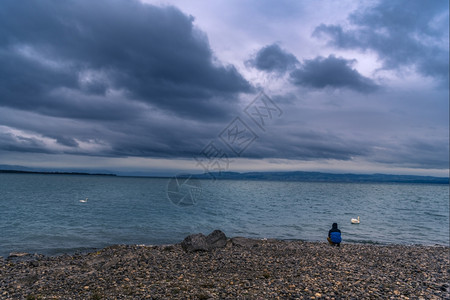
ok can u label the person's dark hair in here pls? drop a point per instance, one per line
(334, 225)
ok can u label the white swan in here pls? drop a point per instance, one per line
(84, 201)
(355, 221)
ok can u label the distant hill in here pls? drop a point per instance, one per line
(273, 176)
(324, 177)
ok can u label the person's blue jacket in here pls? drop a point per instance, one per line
(335, 234)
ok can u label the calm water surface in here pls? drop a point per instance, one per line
(42, 213)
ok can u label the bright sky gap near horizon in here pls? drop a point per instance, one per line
(141, 87)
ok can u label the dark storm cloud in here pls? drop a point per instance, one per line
(304, 144)
(17, 143)
(122, 79)
(415, 153)
(311, 145)
(66, 141)
(316, 73)
(69, 58)
(331, 72)
(402, 33)
(157, 136)
(272, 58)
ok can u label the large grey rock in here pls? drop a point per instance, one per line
(195, 242)
(216, 239)
(200, 242)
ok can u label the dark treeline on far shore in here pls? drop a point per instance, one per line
(54, 173)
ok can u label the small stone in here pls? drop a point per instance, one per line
(86, 287)
(318, 294)
(34, 264)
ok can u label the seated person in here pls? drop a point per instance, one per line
(334, 235)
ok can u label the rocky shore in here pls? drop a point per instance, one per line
(236, 268)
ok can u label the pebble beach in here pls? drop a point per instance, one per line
(242, 269)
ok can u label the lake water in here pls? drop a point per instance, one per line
(43, 214)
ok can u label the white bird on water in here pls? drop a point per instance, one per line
(84, 201)
(355, 221)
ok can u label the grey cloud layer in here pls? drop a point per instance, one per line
(316, 73)
(70, 58)
(272, 58)
(331, 72)
(120, 78)
(402, 33)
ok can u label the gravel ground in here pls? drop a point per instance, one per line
(244, 269)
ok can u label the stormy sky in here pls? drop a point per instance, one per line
(192, 86)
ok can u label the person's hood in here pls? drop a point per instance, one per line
(334, 226)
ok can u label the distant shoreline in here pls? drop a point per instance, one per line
(294, 176)
(301, 176)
